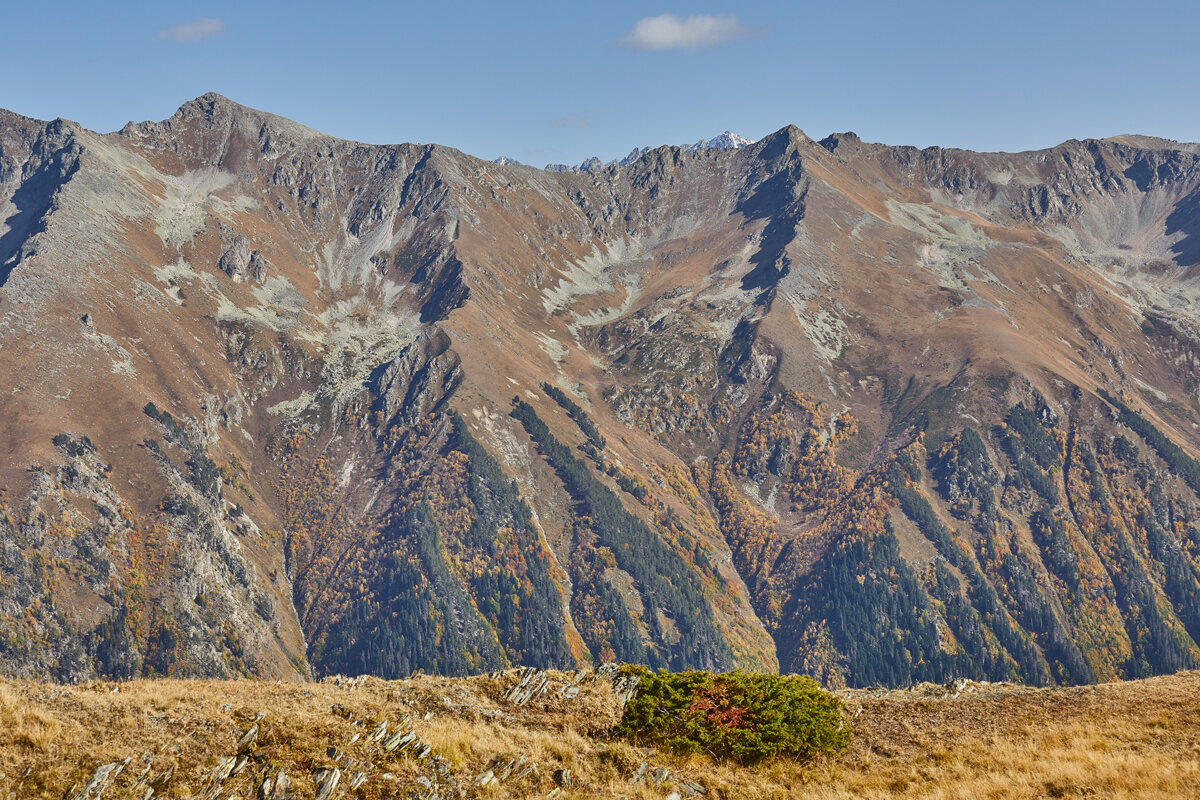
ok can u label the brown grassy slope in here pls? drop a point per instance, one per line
(1114, 740)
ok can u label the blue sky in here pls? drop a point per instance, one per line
(554, 81)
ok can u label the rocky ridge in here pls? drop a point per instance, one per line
(726, 141)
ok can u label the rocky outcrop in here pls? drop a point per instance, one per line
(236, 259)
(416, 382)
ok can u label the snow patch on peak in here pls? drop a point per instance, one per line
(726, 141)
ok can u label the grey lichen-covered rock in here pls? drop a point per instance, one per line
(162, 780)
(258, 266)
(399, 741)
(625, 687)
(235, 261)
(415, 382)
(327, 783)
(533, 683)
(346, 682)
(222, 771)
(101, 778)
(248, 739)
(659, 776)
(277, 787)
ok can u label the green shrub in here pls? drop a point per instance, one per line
(744, 716)
(74, 446)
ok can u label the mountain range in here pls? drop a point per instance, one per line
(281, 404)
(726, 141)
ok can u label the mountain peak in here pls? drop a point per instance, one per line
(219, 111)
(209, 104)
(791, 133)
(726, 141)
(215, 98)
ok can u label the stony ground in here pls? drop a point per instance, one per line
(534, 734)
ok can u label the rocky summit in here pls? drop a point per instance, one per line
(284, 405)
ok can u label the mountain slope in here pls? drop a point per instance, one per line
(282, 402)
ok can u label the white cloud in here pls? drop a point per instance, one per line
(667, 32)
(193, 31)
(572, 121)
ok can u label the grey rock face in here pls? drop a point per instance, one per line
(235, 261)
(258, 266)
(417, 380)
(328, 784)
(101, 778)
(278, 788)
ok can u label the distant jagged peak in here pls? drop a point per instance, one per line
(594, 163)
(588, 165)
(726, 141)
(633, 156)
(505, 161)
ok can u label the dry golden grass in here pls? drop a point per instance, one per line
(24, 724)
(1138, 739)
